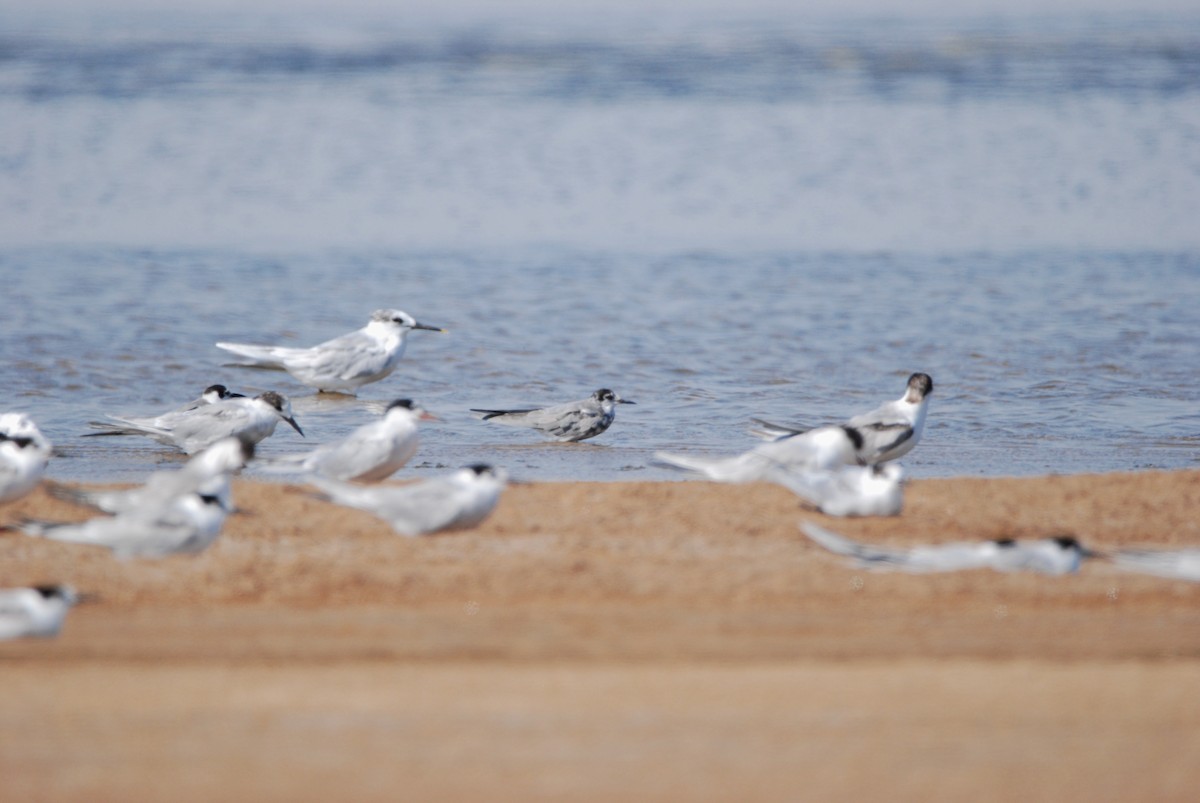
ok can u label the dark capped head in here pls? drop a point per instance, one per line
(606, 395)
(919, 386)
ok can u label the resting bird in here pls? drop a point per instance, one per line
(24, 453)
(1059, 555)
(344, 364)
(456, 501)
(36, 612)
(209, 472)
(820, 449)
(195, 429)
(371, 453)
(889, 432)
(572, 421)
(188, 524)
(849, 490)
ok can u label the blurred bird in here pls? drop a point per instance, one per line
(848, 490)
(1059, 555)
(190, 523)
(820, 449)
(24, 453)
(371, 453)
(37, 611)
(456, 501)
(208, 472)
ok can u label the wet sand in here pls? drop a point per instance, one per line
(627, 640)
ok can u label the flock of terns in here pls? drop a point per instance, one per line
(846, 469)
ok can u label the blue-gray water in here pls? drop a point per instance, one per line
(719, 221)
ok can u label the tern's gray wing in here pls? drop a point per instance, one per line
(367, 455)
(351, 356)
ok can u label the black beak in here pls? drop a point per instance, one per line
(295, 426)
(428, 327)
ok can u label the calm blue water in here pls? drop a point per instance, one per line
(752, 218)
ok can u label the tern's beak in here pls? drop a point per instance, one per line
(85, 597)
(295, 426)
(428, 416)
(625, 401)
(428, 327)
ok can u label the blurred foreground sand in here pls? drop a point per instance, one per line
(602, 641)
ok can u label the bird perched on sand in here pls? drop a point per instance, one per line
(345, 363)
(24, 453)
(456, 501)
(37, 611)
(848, 490)
(572, 421)
(820, 449)
(188, 524)
(889, 432)
(195, 429)
(371, 453)
(1058, 555)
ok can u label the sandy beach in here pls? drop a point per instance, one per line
(615, 641)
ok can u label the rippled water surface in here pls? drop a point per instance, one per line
(717, 221)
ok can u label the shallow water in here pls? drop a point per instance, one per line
(719, 222)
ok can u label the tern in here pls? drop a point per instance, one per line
(208, 472)
(36, 612)
(457, 501)
(889, 432)
(249, 419)
(24, 453)
(345, 363)
(188, 524)
(371, 453)
(1059, 555)
(572, 421)
(820, 449)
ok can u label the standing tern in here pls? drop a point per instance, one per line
(572, 421)
(36, 612)
(1059, 555)
(889, 432)
(456, 501)
(24, 453)
(249, 419)
(371, 453)
(820, 449)
(188, 524)
(345, 363)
